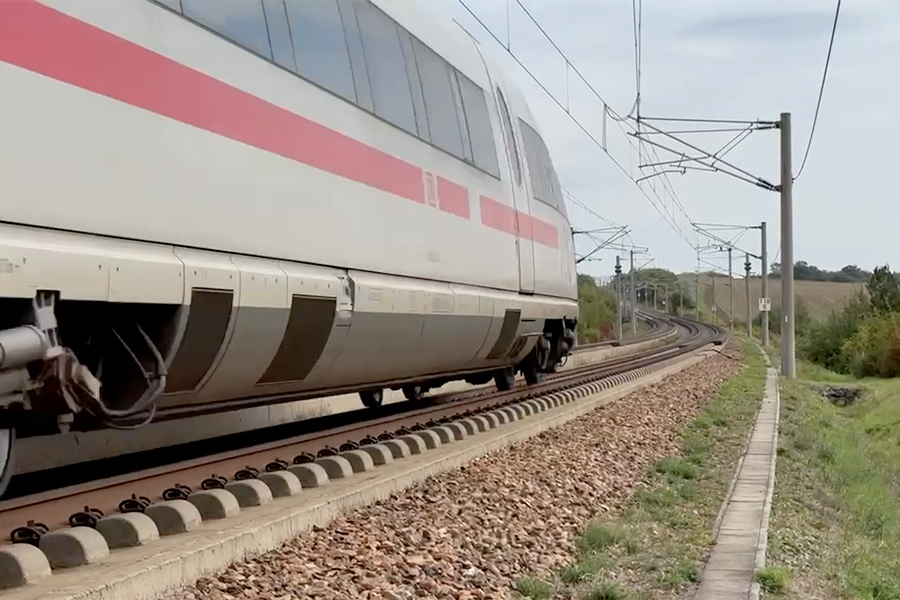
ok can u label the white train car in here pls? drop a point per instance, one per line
(214, 204)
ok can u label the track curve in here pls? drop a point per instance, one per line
(57, 508)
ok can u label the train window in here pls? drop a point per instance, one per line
(544, 181)
(279, 34)
(461, 115)
(510, 138)
(319, 45)
(483, 147)
(241, 22)
(443, 120)
(415, 84)
(357, 56)
(532, 155)
(387, 69)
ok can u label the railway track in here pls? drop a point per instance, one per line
(657, 329)
(337, 452)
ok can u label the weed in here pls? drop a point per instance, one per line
(682, 573)
(583, 570)
(825, 452)
(607, 591)
(599, 537)
(574, 574)
(772, 580)
(677, 467)
(653, 500)
(688, 490)
(631, 546)
(704, 422)
(534, 588)
(696, 449)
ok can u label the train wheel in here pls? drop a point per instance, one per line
(414, 393)
(534, 367)
(532, 372)
(372, 398)
(505, 379)
(7, 444)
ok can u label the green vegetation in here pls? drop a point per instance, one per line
(655, 545)
(804, 271)
(536, 589)
(596, 311)
(663, 289)
(836, 517)
(773, 580)
(863, 338)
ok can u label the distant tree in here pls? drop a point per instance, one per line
(803, 271)
(854, 273)
(596, 310)
(655, 275)
(884, 290)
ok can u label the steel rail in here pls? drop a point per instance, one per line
(52, 508)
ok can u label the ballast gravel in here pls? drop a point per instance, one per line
(470, 533)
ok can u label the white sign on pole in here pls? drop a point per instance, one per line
(765, 304)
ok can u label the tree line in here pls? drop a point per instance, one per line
(803, 271)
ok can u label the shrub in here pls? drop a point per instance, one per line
(596, 311)
(773, 580)
(823, 342)
(874, 350)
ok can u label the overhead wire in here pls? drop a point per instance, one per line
(812, 130)
(619, 120)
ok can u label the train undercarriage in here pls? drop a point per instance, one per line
(108, 367)
(548, 354)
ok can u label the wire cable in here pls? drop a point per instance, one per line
(655, 203)
(812, 130)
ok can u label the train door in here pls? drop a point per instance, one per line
(524, 244)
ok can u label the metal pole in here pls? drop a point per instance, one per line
(655, 296)
(747, 288)
(633, 297)
(618, 299)
(730, 292)
(697, 290)
(764, 315)
(788, 341)
(666, 298)
(681, 298)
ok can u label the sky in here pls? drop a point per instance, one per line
(716, 59)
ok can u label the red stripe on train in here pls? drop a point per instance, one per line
(46, 41)
(497, 215)
(40, 39)
(453, 198)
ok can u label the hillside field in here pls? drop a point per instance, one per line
(819, 297)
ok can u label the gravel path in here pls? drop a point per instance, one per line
(472, 532)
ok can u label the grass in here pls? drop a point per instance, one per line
(819, 297)
(836, 517)
(772, 580)
(536, 589)
(655, 545)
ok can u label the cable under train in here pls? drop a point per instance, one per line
(207, 205)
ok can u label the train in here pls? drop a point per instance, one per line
(212, 205)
